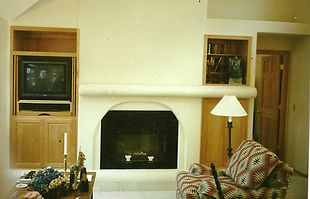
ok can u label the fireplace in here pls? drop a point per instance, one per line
(139, 140)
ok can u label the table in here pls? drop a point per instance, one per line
(73, 195)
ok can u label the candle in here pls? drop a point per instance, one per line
(65, 144)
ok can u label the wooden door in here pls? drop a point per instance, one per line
(214, 134)
(54, 141)
(27, 146)
(269, 103)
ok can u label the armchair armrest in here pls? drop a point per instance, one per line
(279, 177)
(200, 169)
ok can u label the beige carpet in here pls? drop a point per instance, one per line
(298, 189)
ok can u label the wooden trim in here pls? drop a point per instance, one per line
(249, 58)
(205, 49)
(43, 29)
(301, 174)
(229, 37)
(282, 52)
(77, 72)
(284, 92)
(73, 86)
(37, 53)
(45, 101)
(49, 113)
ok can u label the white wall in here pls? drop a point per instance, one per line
(263, 10)
(142, 42)
(45, 13)
(297, 147)
(7, 175)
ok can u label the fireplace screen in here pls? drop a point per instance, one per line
(139, 140)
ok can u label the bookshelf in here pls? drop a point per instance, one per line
(226, 60)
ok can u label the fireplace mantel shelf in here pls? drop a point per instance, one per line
(139, 90)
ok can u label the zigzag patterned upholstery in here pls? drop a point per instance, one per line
(200, 184)
(188, 184)
(251, 164)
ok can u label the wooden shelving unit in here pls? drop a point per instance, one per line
(219, 55)
(37, 134)
(44, 40)
(214, 133)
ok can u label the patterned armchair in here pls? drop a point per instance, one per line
(253, 172)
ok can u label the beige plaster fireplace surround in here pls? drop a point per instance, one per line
(184, 101)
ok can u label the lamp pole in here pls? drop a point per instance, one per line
(229, 126)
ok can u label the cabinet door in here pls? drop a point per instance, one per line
(27, 146)
(54, 141)
(214, 134)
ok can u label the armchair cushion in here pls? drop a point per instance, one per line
(232, 191)
(251, 164)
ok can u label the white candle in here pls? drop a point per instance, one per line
(65, 144)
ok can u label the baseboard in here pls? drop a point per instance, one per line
(300, 173)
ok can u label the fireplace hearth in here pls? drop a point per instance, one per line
(139, 140)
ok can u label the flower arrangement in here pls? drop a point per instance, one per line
(49, 182)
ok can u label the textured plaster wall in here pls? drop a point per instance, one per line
(142, 42)
(297, 147)
(7, 175)
(263, 10)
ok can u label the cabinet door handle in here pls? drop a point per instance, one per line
(44, 114)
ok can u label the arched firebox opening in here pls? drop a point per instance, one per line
(136, 139)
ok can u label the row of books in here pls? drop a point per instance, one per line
(217, 64)
(217, 48)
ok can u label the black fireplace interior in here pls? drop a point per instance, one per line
(139, 140)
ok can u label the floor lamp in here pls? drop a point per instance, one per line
(229, 106)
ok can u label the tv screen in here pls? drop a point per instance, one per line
(44, 78)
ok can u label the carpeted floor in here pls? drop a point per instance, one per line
(135, 195)
(298, 189)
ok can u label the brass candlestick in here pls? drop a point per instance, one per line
(65, 162)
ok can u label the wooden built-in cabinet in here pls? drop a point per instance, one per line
(38, 125)
(27, 142)
(220, 54)
(214, 133)
(38, 141)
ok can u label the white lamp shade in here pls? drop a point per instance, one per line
(229, 106)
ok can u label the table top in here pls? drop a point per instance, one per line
(73, 195)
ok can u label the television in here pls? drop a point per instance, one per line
(44, 78)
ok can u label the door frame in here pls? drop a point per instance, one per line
(283, 96)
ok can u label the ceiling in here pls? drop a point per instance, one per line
(10, 9)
